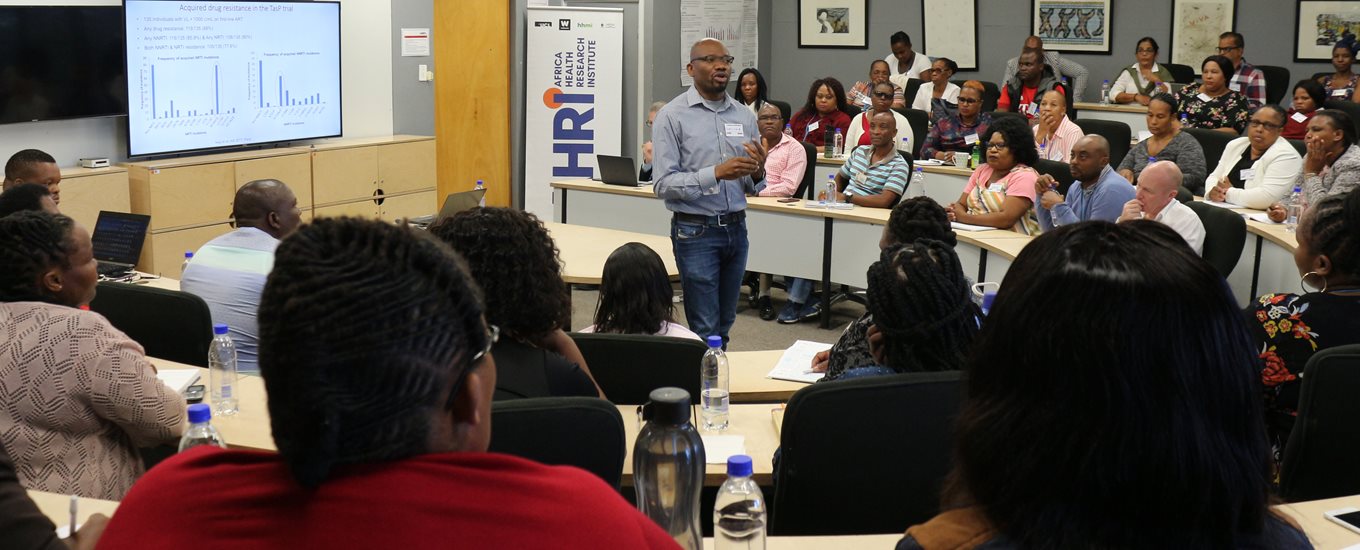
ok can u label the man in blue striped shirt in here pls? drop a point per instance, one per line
(875, 175)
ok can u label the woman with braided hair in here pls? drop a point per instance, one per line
(924, 317)
(375, 351)
(80, 396)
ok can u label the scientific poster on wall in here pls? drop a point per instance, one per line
(731, 21)
(573, 92)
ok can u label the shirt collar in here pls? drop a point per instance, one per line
(1105, 174)
(693, 98)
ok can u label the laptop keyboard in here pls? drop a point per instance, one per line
(113, 270)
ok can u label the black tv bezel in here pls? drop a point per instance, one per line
(123, 54)
(339, 73)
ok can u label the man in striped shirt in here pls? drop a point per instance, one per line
(875, 175)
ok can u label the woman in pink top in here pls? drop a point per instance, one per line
(1000, 193)
(785, 160)
(1055, 134)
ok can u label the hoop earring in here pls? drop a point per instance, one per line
(1303, 282)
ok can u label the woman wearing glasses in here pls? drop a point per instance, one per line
(1138, 83)
(882, 103)
(959, 132)
(861, 94)
(939, 86)
(1000, 192)
(1259, 168)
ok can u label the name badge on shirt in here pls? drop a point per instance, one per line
(1339, 93)
(1246, 174)
(970, 139)
(861, 177)
(814, 126)
(1298, 117)
(734, 130)
(1204, 97)
(996, 187)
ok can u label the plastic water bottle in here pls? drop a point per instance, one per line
(222, 371)
(1185, 120)
(988, 298)
(1293, 207)
(906, 145)
(188, 255)
(975, 159)
(788, 130)
(917, 186)
(713, 386)
(1105, 93)
(739, 509)
(1042, 147)
(840, 143)
(828, 146)
(829, 198)
(668, 466)
(481, 187)
(201, 430)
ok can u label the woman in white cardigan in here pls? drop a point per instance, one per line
(1257, 169)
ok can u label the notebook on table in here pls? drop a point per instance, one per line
(117, 241)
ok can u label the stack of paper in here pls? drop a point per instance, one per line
(796, 363)
(718, 448)
(970, 227)
(178, 379)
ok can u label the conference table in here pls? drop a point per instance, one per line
(1134, 115)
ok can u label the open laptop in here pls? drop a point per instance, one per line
(117, 240)
(453, 204)
(617, 171)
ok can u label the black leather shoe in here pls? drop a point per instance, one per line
(766, 308)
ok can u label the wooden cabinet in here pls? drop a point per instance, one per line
(391, 177)
(86, 191)
(410, 205)
(293, 170)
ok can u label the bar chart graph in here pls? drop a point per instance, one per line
(285, 96)
(165, 108)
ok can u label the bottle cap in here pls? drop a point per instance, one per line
(188, 254)
(219, 329)
(714, 341)
(831, 176)
(739, 466)
(667, 406)
(200, 412)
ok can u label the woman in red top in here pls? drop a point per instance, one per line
(825, 111)
(1308, 98)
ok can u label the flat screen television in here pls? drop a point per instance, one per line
(61, 62)
(208, 75)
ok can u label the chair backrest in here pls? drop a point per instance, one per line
(1115, 132)
(807, 188)
(1060, 171)
(1224, 234)
(1320, 457)
(888, 437)
(629, 366)
(998, 115)
(1350, 108)
(909, 92)
(1316, 76)
(169, 324)
(990, 94)
(585, 432)
(1181, 74)
(918, 120)
(1300, 146)
(784, 109)
(1277, 83)
(1212, 142)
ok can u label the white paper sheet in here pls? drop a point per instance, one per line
(178, 379)
(1263, 218)
(796, 362)
(970, 227)
(718, 448)
(1229, 206)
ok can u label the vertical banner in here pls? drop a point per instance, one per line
(573, 94)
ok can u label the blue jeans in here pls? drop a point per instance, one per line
(799, 289)
(712, 261)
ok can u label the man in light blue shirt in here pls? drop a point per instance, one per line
(706, 157)
(1099, 192)
(229, 272)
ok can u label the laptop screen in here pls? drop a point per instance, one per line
(118, 236)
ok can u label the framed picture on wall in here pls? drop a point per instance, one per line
(833, 24)
(1320, 24)
(1072, 25)
(950, 30)
(1195, 26)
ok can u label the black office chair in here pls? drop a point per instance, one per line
(1300, 146)
(629, 366)
(909, 92)
(1319, 459)
(807, 189)
(1060, 171)
(169, 324)
(1277, 83)
(585, 432)
(1224, 234)
(1350, 108)
(919, 127)
(1115, 132)
(784, 109)
(1180, 74)
(1212, 142)
(883, 442)
(998, 115)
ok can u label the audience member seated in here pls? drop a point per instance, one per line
(1332, 165)
(34, 166)
(823, 114)
(785, 160)
(1156, 200)
(1153, 446)
(1021, 94)
(859, 133)
(751, 90)
(23, 525)
(1290, 328)
(1308, 98)
(80, 396)
(1061, 68)
(938, 87)
(1257, 169)
(1341, 85)
(1142, 80)
(1245, 78)
(1169, 143)
(645, 171)
(378, 365)
(636, 296)
(904, 62)
(1212, 104)
(916, 218)
(1099, 193)
(1000, 193)
(229, 271)
(959, 133)
(26, 197)
(1055, 134)
(861, 94)
(514, 261)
